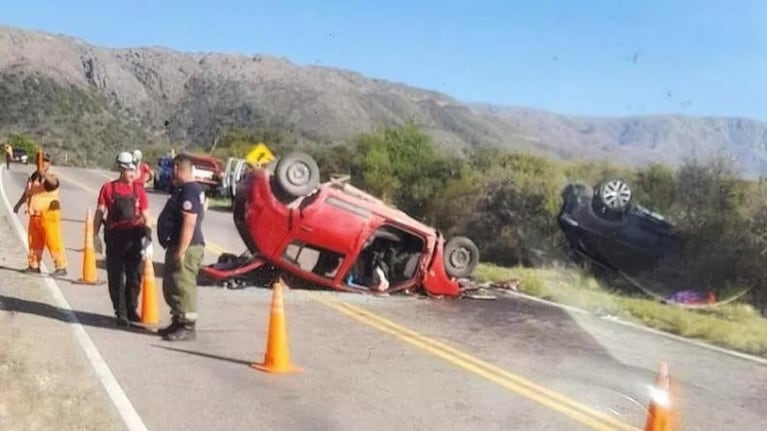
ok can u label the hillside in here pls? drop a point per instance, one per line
(668, 138)
(69, 93)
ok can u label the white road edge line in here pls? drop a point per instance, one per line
(618, 321)
(128, 413)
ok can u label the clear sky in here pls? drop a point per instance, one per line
(585, 57)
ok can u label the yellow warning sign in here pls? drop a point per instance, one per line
(259, 155)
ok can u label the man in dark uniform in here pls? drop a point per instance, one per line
(179, 231)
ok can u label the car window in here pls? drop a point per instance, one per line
(312, 258)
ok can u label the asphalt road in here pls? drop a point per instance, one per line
(396, 362)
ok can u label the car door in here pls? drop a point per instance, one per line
(326, 224)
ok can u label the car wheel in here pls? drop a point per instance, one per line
(461, 257)
(227, 258)
(615, 195)
(297, 174)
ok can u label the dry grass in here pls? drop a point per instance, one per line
(734, 326)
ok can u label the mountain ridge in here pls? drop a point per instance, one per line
(202, 94)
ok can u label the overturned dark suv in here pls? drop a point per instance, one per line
(604, 225)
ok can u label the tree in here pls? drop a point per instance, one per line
(24, 142)
(454, 205)
(655, 186)
(378, 171)
(400, 165)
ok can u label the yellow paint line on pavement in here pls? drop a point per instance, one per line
(214, 247)
(570, 408)
(555, 401)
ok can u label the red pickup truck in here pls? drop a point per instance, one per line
(207, 170)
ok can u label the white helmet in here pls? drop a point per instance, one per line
(125, 161)
(137, 156)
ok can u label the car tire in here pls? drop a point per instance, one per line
(227, 258)
(461, 257)
(297, 174)
(614, 195)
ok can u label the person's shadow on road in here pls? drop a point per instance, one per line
(159, 271)
(17, 305)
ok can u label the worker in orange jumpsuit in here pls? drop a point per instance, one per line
(41, 196)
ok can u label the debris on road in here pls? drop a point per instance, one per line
(472, 290)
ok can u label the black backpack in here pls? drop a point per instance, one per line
(123, 208)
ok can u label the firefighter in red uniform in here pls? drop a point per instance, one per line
(145, 173)
(127, 236)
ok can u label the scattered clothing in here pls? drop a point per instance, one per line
(692, 297)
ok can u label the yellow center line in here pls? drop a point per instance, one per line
(574, 410)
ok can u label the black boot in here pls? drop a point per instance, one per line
(184, 332)
(133, 317)
(174, 324)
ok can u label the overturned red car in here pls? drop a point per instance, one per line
(336, 236)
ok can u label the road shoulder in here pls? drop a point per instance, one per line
(45, 378)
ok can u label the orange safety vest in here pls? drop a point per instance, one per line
(39, 201)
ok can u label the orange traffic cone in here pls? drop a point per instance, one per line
(660, 415)
(150, 311)
(89, 253)
(277, 357)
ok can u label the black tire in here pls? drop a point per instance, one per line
(297, 174)
(461, 257)
(227, 257)
(574, 194)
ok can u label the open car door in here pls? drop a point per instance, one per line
(390, 255)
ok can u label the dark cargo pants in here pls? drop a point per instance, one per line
(123, 261)
(179, 283)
